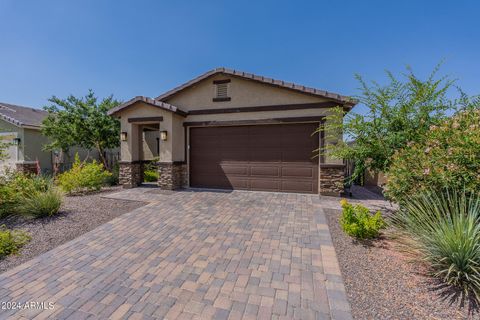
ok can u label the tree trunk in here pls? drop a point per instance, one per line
(102, 157)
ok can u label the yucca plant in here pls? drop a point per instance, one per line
(442, 229)
(41, 204)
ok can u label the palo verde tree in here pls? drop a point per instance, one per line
(81, 122)
(397, 114)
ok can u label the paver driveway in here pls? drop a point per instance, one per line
(191, 255)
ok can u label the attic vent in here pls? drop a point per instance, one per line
(221, 90)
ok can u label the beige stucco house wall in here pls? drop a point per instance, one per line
(244, 93)
(251, 100)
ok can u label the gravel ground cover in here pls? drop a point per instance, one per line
(78, 215)
(381, 283)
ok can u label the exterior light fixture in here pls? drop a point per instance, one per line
(163, 135)
(123, 136)
(16, 141)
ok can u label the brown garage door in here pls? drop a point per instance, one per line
(260, 157)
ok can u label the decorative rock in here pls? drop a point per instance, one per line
(332, 180)
(130, 173)
(172, 175)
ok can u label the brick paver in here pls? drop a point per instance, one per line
(191, 255)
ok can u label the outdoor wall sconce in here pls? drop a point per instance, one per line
(16, 141)
(163, 135)
(123, 136)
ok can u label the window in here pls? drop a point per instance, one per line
(221, 90)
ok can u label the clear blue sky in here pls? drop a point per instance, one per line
(130, 48)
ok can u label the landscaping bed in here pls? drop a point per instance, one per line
(78, 215)
(382, 284)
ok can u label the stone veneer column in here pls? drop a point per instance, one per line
(26, 167)
(172, 175)
(130, 173)
(332, 177)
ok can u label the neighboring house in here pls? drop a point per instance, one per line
(20, 127)
(228, 129)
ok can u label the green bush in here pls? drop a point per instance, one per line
(150, 176)
(150, 171)
(113, 180)
(41, 204)
(15, 186)
(11, 240)
(83, 177)
(442, 229)
(448, 156)
(357, 221)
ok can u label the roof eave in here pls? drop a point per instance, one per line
(265, 80)
(159, 104)
(11, 120)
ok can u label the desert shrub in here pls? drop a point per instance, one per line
(150, 171)
(15, 186)
(41, 204)
(150, 176)
(83, 176)
(113, 180)
(11, 240)
(8, 199)
(449, 156)
(357, 221)
(442, 229)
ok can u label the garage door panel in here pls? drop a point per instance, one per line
(235, 169)
(270, 171)
(228, 141)
(298, 172)
(213, 181)
(208, 170)
(294, 155)
(210, 143)
(240, 154)
(265, 185)
(298, 141)
(265, 142)
(298, 186)
(264, 157)
(205, 158)
(238, 183)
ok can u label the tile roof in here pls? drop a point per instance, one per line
(150, 101)
(22, 116)
(278, 83)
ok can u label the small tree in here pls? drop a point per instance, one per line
(81, 122)
(397, 114)
(3, 147)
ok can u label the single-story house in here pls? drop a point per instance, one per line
(20, 128)
(229, 129)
